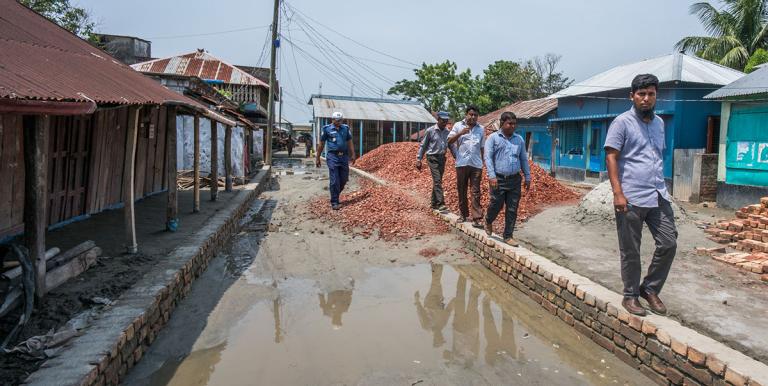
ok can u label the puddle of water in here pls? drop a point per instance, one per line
(424, 324)
(290, 166)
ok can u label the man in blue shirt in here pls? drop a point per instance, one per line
(635, 158)
(505, 158)
(469, 138)
(340, 151)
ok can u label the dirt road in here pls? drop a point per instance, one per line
(304, 303)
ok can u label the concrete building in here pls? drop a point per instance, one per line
(127, 49)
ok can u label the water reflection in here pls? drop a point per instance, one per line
(434, 315)
(498, 343)
(335, 304)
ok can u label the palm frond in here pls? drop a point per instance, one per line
(736, 58)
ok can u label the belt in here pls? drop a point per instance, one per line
(338, 153)
(504, 177)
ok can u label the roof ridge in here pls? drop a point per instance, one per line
(258, 81)
(57, 48)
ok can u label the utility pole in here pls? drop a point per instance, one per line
(280, 113)
(271, 106)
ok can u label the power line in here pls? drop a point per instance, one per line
(348, 38)
(209, 33)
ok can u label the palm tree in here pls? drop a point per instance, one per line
(737, 30)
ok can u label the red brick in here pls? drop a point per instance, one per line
(735, 378)
(654, 376)
(715, 365)
(696, 357)
(674, 376)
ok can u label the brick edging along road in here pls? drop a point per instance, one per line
(119, 337)
(661, 348)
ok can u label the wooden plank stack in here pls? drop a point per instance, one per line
(748, 234)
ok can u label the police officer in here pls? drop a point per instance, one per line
(341, 151)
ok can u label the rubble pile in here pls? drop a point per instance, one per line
(597, 206)
(747, 233)
(383, 211)
(395, 162)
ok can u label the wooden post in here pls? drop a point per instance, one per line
(244, 158)
(129, 170)
(172, 210)
(553, 150)
(196, 167)
(214, 176)
(35, 198)
(227, 158)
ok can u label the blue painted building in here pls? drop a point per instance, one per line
(532, 124)
(742, 175)
(586, 109)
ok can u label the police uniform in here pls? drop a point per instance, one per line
(337, 157)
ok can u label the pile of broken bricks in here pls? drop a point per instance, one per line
(748, 234)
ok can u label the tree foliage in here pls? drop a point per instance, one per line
(62, 12)
(736, 32)
(759, 57)
(441, 87)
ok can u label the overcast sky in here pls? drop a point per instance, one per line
(591, 35)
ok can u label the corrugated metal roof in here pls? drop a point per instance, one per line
(42, 61)
(370, 109)
(202, 65)
(750, 84)
(668, 68)
(534, 108)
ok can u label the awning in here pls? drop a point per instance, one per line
(601, 116)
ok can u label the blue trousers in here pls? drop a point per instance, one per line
(338, 173)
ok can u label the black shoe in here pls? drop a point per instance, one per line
(633, 306)
(335, 206)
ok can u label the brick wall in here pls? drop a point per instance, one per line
(708, 184)
(662, 349)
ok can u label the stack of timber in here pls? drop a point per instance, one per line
(186, 180)
(60, 267)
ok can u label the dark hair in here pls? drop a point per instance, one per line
(470, 108)
(507, 116)
(644, 81)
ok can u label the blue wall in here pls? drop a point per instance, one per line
(540, 136)
(680, 105)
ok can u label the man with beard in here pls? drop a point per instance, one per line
(635, 158)
(469, 139)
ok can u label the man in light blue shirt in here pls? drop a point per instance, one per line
(469, 138)
(635, 158)
(505, 158)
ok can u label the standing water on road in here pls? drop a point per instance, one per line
(430, 324)
(293, 300)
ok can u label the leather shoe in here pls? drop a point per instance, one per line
(633, 306)
(654, 303)
(488, 229)
(512, 242)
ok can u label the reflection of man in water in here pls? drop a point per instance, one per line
(466, 324)
(496, 343)
(434, 315)
(336, 303)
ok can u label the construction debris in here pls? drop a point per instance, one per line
(747, 233)
(400, 210)
(387, 212)
(597, 206)
(394, 162)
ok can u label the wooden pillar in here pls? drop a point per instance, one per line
(214, 176)
(196, 167)
(129, 171)
(228, 158)
(35, 133)
(172, 209)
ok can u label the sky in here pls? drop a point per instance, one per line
(591, 35)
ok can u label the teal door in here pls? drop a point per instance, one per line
(596, 155)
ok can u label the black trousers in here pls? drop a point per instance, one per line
(506, 194)
(437, 168)
(629, 226)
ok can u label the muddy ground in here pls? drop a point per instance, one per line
(305, 303)
(115, 271)
(716, 299)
